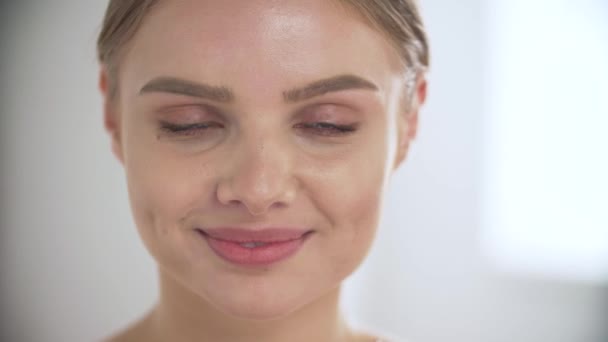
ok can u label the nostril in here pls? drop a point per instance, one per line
(256, 191)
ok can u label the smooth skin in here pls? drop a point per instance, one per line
(257, 114)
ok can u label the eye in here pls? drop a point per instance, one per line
(193, 129)
(327, 128)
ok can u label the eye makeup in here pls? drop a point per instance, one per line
(188, 129)
(327, 129)
(189, 121)
(317, 121)
(328, 120)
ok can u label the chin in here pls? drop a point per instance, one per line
(257, 299)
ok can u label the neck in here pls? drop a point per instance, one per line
(184, 316)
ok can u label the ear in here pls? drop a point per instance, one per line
(111, 116)
(408, 120)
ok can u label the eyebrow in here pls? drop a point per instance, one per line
(225, 95)
(332, 84)
(178, 86)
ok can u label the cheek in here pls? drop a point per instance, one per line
(350, 198)
(356, 214)
(162, 189)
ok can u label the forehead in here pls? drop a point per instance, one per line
(256, 44)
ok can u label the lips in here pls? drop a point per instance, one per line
(254, 247)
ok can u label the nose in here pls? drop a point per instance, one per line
(258, 177)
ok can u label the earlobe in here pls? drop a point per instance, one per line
(110, 115)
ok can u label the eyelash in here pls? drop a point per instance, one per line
(328, 129)
(190, 129)
(320, 128)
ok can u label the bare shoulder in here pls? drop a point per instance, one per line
(372, 337)
(375, 337)
(138, 331)
(131, 334)
(384, 339)
(391, 339)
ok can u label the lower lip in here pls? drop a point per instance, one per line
(258, 256)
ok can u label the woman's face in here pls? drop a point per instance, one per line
(254, 115)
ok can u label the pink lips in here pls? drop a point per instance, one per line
(254, 247)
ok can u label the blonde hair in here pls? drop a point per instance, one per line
(399, 20)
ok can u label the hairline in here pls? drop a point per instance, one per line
(112, 60)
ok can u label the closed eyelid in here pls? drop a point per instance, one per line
(186, 112)
(328, 112)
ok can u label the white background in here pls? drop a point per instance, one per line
(73, 269)
(546, 148)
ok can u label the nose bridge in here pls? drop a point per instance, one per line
(261, 163)
(261, 173)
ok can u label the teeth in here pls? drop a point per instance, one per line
(252, 244)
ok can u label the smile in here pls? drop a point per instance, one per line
(254, 247)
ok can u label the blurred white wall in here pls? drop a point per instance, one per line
(545, 199)
(73, 269)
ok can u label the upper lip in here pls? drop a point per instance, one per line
(267, 235)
